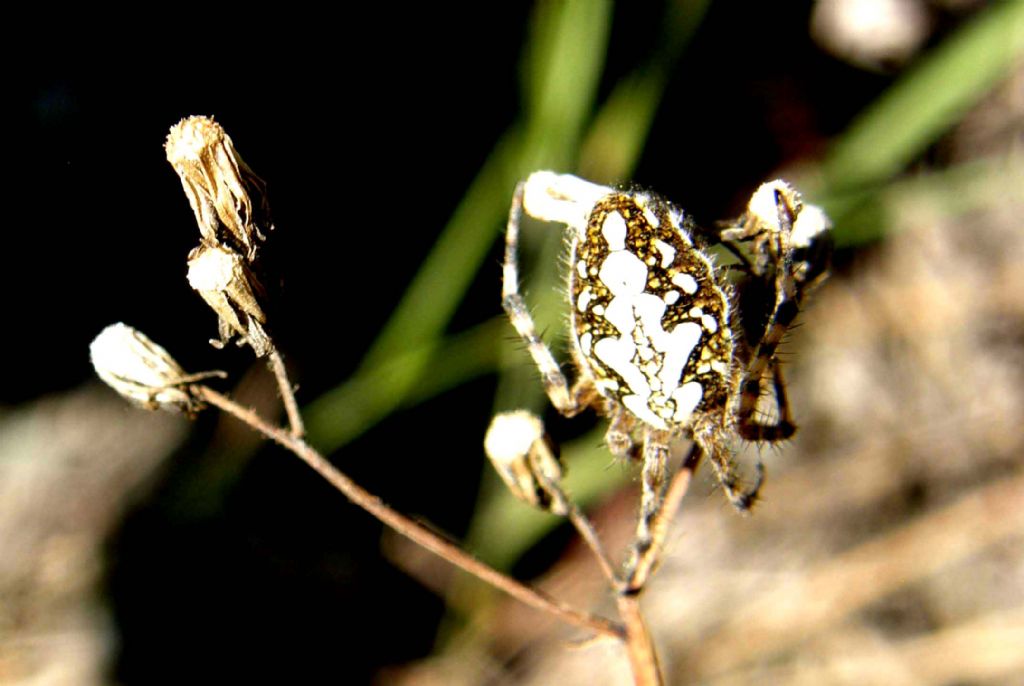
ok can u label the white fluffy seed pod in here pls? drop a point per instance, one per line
(141, 370)
(521, 454)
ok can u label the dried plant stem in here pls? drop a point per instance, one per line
(410, 529)
(643, 659)
(287, 394)
(644, 565)
(581, 523)
(586, 531)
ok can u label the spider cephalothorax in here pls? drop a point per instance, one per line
(658, 337)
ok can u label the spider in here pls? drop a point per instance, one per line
(663, 340)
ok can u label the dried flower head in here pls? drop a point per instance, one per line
(525, 460)
(142, 371)
(220, 187)
(760, 224)
(228, 286)
(807, 240)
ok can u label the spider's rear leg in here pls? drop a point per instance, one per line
(720, 457)
(619, 436)
(656, 452)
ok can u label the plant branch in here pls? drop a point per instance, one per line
(409, 528)
(287, 394)
(586, 531)
(572, 511)
(643, 658)
(641, 571)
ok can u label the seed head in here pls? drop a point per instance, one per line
(220, 186)
(142, 371)
(228, 286)
(525, 460)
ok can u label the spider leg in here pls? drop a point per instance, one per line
(653, 483)
(783, 427)
(774, 249)
(801, 252)
(568, 401)
(619, 436)
(783, 315)
(743, 262)
(718, 454)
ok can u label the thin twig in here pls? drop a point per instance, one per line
(643, 658)
(641, 571)
(287, 394)
(586, 531)
(579, 520)
(410, 529)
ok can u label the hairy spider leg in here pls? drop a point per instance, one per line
(568, 401)
(783, 249)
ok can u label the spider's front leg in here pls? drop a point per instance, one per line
(751, 428)
(542, 203)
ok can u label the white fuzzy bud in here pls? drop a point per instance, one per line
(230, 288)
(141, 370)
(523, 457)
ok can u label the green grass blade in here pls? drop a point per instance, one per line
(350, 409)
(562, 78)
(928, 100)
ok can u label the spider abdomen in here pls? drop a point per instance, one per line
(650, 318)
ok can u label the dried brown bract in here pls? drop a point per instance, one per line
(227, 197)
(227, 285)
(142, 371)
